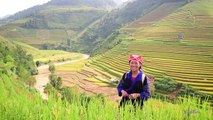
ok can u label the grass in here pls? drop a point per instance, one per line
(77, 66)
(157, 14)
(204, 8)
(55, 55)
(21, 21)
(33, 36)
(46, 56)
(195, 17)
(99, 82)
(56, 19)
(30, 50)
(85, 30)
(5, 41)
(24, 104)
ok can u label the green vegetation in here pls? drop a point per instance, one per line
(97, 34)
(58, 3)
(187, 60)
(179, 64)
(55, 82)
(15, 61)
(60, 18)
(52, 68)
(51, 27)
(77, 66)
(24, 103)
(205, 8)
(187, 90)
(101, 82)
(66, 103)
(47, 56)
(165, 84)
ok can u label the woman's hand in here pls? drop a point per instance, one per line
(124, 93)
(134, 96)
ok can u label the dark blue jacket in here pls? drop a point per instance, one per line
(135, 86)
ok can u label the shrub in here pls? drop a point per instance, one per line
(165, 84)
(52, 68)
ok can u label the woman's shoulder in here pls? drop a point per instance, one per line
(125, 75)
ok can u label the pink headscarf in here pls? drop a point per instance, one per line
(136, 57)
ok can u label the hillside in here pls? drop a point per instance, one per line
(25, 103)
(47, 56)
(174, 37)
(177, 45)
(53, 26)
(50, 27)
(74, 25)
(98, 33)
(16, 62)
(20, 101)
(166, 23)
(59, 3)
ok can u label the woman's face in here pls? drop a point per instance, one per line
(134, 65)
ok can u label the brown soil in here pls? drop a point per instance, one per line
(76, 79)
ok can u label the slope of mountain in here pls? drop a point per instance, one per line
(175, 45)
(20, 101)
(14, 61)
(53, 23)
(116, 19)
(56, 3)
(178, 46)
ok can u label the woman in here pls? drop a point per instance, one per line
(134, 85)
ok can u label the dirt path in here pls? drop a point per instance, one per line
(41, 81)
(74, 79)
(43, 77)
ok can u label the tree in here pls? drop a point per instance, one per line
(22, 72)
(55, 81)
(52, 68)
(38, 63)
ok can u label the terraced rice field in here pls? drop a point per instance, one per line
(84, 81)
(188, 60)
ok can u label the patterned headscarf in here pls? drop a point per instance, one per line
(136, 57)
